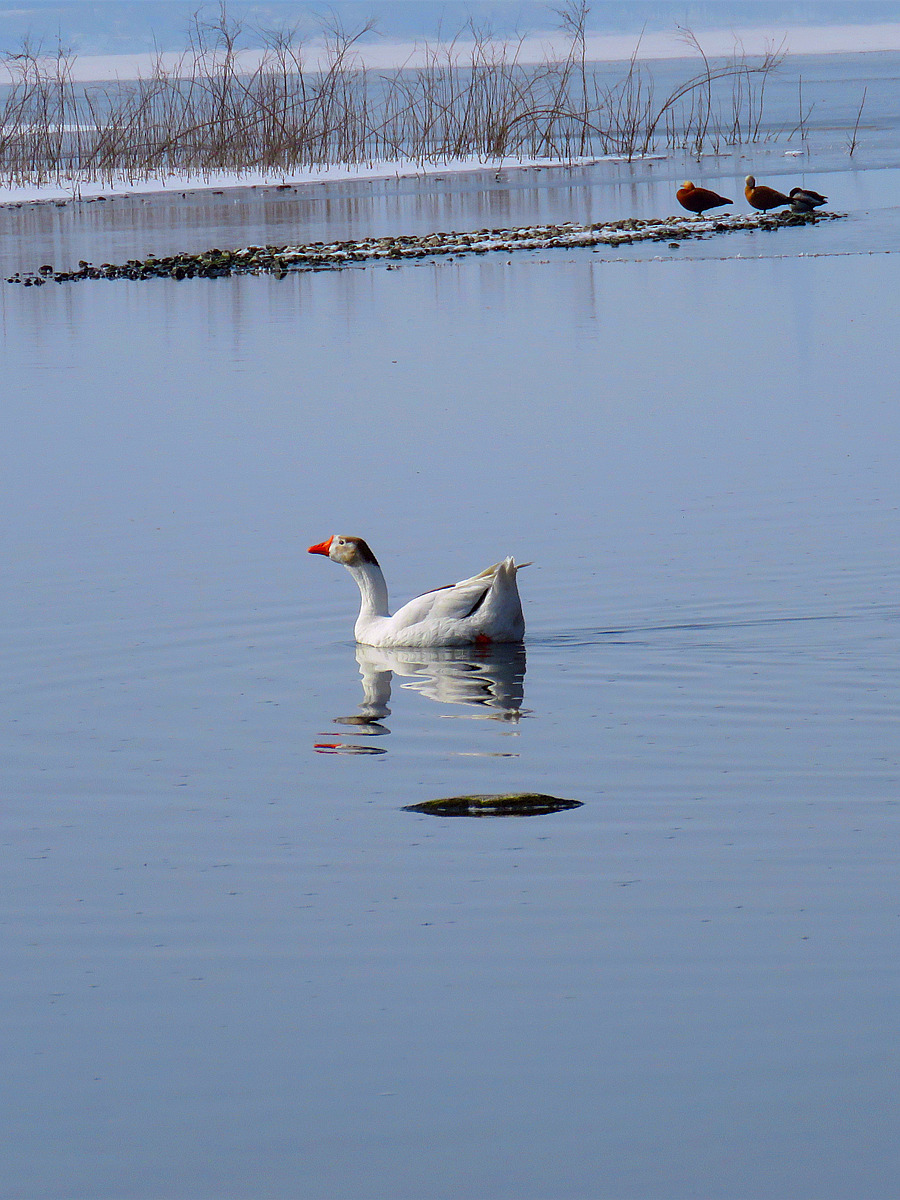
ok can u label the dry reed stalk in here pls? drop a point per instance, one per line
(851, 144)
(215, 111)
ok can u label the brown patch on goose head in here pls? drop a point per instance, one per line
(349, 551)
(364, 550)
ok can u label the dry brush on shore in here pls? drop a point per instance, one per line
(219, 110)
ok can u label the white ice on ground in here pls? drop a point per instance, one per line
(222, 180)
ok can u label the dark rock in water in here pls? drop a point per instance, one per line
(513, 804)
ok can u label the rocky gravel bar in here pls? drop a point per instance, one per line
(392, 250)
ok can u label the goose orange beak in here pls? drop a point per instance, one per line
(322, 548)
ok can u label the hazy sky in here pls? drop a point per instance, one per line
(126, 26)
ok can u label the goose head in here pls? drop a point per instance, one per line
(349, 551)
(750, 182)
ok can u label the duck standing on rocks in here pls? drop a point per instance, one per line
(473, 612)
(762, 197)
(804, 200)
(697, 200)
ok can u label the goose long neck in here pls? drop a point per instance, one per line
(372, 590)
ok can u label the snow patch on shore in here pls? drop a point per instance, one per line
(224, 180)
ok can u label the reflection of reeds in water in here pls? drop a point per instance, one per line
(471, 99)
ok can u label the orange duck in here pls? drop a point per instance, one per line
(763, 197)
(697, 200)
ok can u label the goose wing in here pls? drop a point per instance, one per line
(465, 597)
(456, 601)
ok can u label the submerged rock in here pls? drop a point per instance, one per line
(511, 804)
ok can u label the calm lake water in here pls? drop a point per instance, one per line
(233, 964)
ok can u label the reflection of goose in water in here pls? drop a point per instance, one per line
(490, 679)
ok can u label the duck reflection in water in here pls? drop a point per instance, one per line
(489, 680)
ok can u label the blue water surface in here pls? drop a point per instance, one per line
(234, 964)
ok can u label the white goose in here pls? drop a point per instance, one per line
(476, 611)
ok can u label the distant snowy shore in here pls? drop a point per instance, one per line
(384, 54)
(221, 181)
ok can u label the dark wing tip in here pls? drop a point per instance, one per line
(478, 603)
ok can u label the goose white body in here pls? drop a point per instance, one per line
(476, 611)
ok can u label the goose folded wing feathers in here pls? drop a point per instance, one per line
(454, 602)
(467, 596)
(457, 601)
